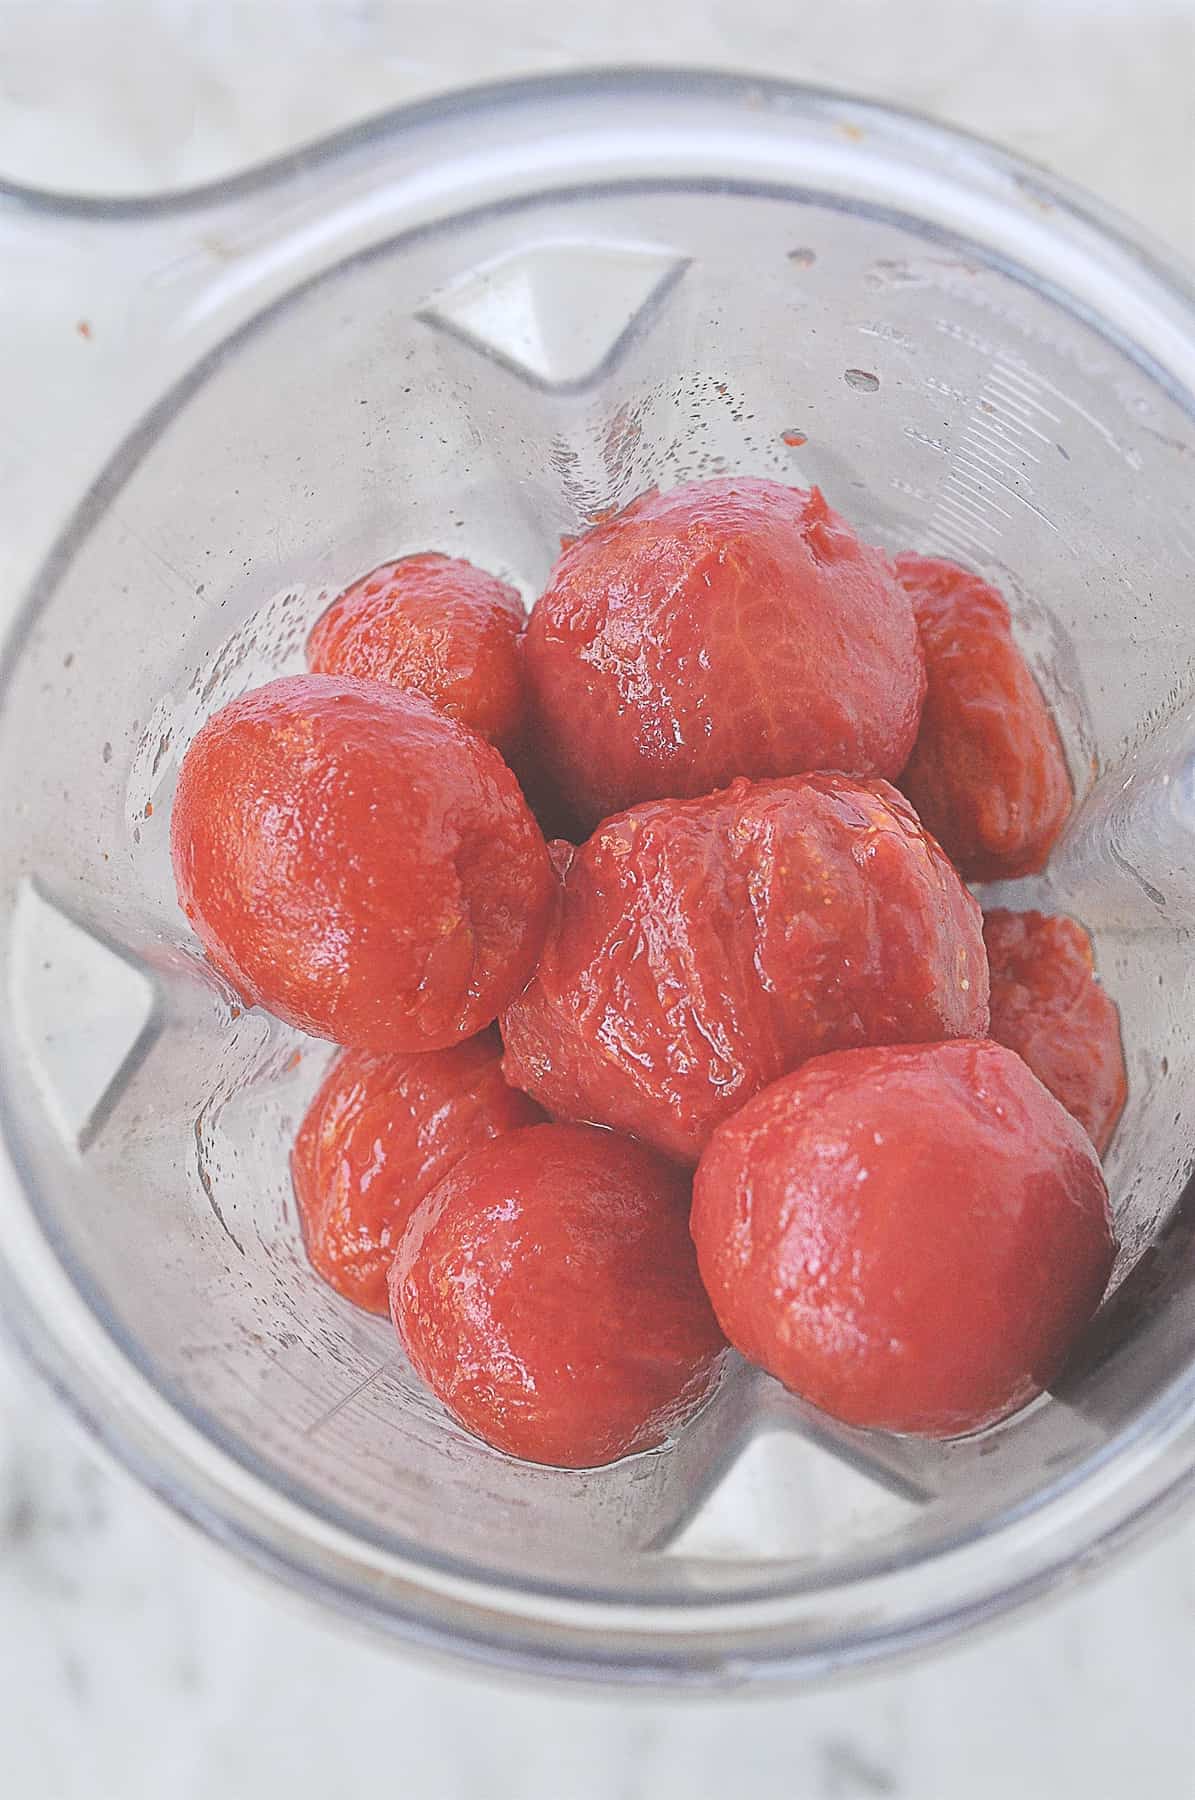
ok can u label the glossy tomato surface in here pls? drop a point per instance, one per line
(547, 1292)
(437, 626)
(358, 863)
(379, 1134)
(987, 775)
(1048, 1006)
(730, 627)
(701, 948)
(911, 1237)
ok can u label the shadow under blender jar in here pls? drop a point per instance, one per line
(468, 328)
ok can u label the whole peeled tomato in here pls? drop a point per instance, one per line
(730, 627)
(1048, 1006)
(437, 626)
(911, 1238)
(378, 1136)
(987, 775)
(358, 863)
(547, 1292)
(701, 948)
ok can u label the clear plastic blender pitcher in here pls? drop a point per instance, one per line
(469, 328)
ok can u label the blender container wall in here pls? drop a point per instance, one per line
(470, 329)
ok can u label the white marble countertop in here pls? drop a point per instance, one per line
(133, 1661)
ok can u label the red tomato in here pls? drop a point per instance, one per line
(547, 1292)
(378, 1136)
(703, 947)
(359, 864)
(987, 775)
(436, 626)
(1048, 1006)
(731, 627)
(911, 1238)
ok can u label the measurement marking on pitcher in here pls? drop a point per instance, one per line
(972, 483)
(1011, 405)
(991, 459)
(941, 538)
(1029, 387)
(992, 450)
(983, 432)
(1009, 420)
(1010, 401)
(973, 465)
(330, 1412)
(971, 511)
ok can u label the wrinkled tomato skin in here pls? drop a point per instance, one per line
(729, 627)
(910, 1238)
(547, 1293)
(1048, 1006)
(437, 626)
(700, 948)
(988, 775)
(378, 1136)
(359, 864)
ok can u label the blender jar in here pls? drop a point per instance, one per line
(470, 327)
